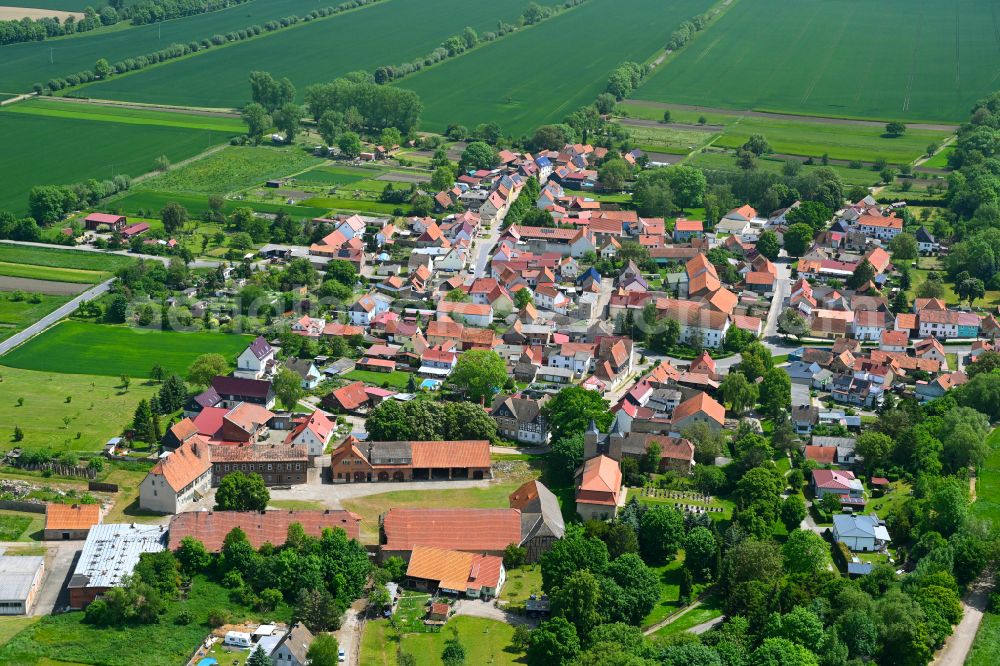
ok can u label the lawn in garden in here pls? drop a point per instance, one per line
(36, 402)
(101, 349)
(938, 66)
(395, 379)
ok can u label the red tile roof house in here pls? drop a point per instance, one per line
(180, 480)
(598, 493)
(313, 432)
(838, 482)
(95, 220)
(454, 572)
(134, 230)
(350, 399)
(211, 527)
(483, 531)
(357, 462)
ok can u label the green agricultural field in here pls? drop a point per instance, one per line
(68, 150)
(145, 201)
(939, 63)
(23, 65)
(98, 408)
(232, 169)
(536, 84)
(387, 33)
(75, 275)
(17, 315)
(58, 107)
(58, 258)
(118, 350)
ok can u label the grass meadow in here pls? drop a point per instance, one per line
(18, 314)
(936, 68)
(809, 138)
(100, 349)
(527, 80)
(726, 161)
(231, 169)
(98, 408)
(23, 65)
(148, 201)
(65, 149)
(387, 33)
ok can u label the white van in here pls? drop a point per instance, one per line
(238, 639)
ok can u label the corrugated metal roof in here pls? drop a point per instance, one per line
(112, 550)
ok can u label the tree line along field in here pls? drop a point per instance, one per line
(895, 59)
(76, 145)
(387, 33)
(531, 78)
(27, 63)
(99, 349)
(809, 138)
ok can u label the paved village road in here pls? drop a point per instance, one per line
(54, 316)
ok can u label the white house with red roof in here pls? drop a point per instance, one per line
(313, 432)
(836, 482)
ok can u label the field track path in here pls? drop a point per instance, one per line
(187, 110)
(935, 127)
(957, 646)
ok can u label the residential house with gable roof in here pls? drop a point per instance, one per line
(257, 361)
(542, 522)
(178, 481)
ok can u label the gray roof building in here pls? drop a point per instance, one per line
(294, 647)
(20, 578)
